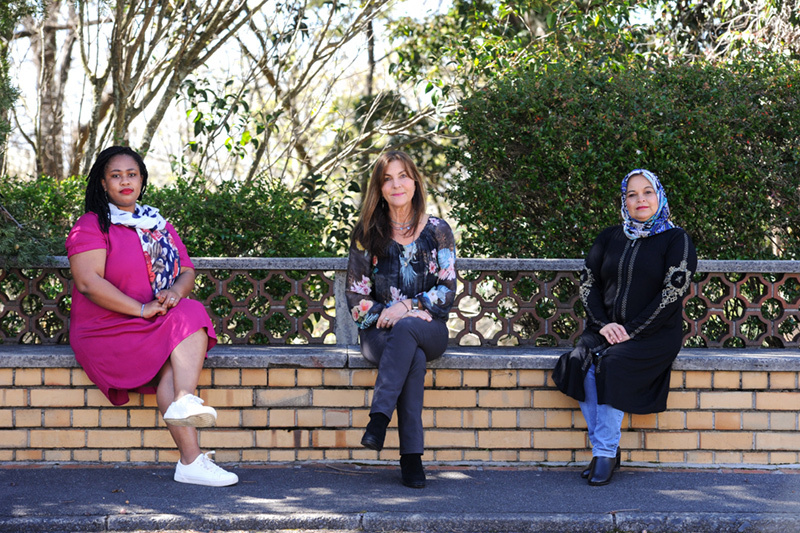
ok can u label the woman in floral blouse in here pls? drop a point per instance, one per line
(401, 283)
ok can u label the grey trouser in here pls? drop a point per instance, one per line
(401, 354)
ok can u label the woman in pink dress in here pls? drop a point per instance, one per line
(132, 327)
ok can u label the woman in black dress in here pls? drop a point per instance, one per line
(401, 283)
(632, 287)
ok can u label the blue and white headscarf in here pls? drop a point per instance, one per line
(657, 223)
(160, 251)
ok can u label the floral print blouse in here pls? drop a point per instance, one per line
(423, 269)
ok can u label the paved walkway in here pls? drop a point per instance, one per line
(346, 497)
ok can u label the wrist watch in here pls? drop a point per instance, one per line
(415, 304)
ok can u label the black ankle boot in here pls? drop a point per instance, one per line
(375, 433)
(412, 471)
(588, 470)
(602, 471)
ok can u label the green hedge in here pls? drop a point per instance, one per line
(546, 152)
(263, 219)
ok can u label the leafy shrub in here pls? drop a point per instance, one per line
(546, 152)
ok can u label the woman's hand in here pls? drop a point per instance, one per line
(614, 333)
(153, 308)
(169, 298)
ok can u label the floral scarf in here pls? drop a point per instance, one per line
(160, 253)
(657, 223)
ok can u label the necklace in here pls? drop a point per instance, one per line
(400, 226)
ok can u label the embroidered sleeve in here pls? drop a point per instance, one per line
(439, 299)
(682, 263)
(590, 290)
(364, 308)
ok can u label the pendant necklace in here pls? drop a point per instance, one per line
(400, 226)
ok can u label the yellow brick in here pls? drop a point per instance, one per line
(447, 378)
(57, 376)
(643, 456)
(777, 401)
(783, 380)
(699, 420)
(226, 439)
(281, 438)
(557, 419)
(448, 455)
(363, 378)
(504, 418)
(146, 418)
(533, 378)
(448, 438)
(61, 438)
(6, 418)
(476, 418)
(29, 455)
(254, 377)
(336, 454)
(782, 458)
(255, 456)
(361, 418)
(530, 418)
(682, 400)
(205, 378)
(726, 380)
(13, 397)
(698, 379)
(727, 421)
(57, 418)
(310, 377)
(532, 456)
(228, 456)
(336, 377)
(556, 440)
(448, 418)
(755, 420)
(157, 438)
(450, 398)
(755, 380)
(228, 397)
(339, 398)
(673, 440)
(114, 456)
(254, 418)
(671, 420)
(475, 378)
(337, 418)
(428, 379)
(28, 418)
(676, 379)
(57, 456)
(305, 454)
(85, 418)
(310, 417)
(142, 456)
(730, 458)
(27, 377)
(95, 398)
(559, 456)
(699, 457)
(114, 438)
(783, 421)
(283, 398)
(477, 455)
(644, 421)
(756, 458)
(226, 377)
(229, 418)
(630, 440)
(80, 379)
(170, 456)
(427, 418)
(504, 398)
(505, 455)
(282, 455)
(6, 377)
(726, 400)
(503, 379)
(329, 439)
(113, 418)
(549, 399)
(726, 440)
(86, 456)
(285, 418)
(13, 438)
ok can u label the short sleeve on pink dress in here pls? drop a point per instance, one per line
(122, 353)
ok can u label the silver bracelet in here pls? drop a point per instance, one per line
(142, 311)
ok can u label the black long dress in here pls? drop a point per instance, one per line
(639, 284)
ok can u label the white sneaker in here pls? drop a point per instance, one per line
(190, 411)
(203, 471)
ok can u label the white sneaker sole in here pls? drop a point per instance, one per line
(203, 420)
(206, 482)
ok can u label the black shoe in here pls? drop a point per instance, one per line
(602, 471)
(411, 470)
(375, 433)
(588, 470)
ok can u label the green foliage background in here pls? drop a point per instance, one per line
(546, 152)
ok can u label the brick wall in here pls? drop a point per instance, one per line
(302, 413)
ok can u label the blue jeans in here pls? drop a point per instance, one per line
(602, 420)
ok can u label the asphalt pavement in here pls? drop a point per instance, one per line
(343, 497)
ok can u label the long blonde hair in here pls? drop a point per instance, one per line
(373, 229)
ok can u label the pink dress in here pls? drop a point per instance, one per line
(122, 353)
